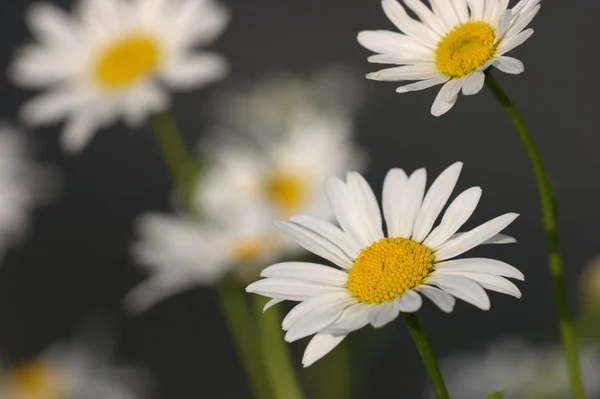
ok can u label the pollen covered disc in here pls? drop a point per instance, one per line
(467, 47)
(388, 268)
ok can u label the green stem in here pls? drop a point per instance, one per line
(275, 352)
(418, 334)
(238, 316)
(549, 217)
(181, 165)
(183, 170)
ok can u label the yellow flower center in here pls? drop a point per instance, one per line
(388, 268)
(34, 380)
(469, 46)
(247, 250)
(287, 192)
(126, 61)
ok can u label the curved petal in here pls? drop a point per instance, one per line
(462, 288)
(435, 200)
(473, 83)
(409, 302)
(473, 238)
(271, 303)
(480, 265)
(422, 85)
(292, 290)
(420, 71)
(193, 71)
(306, 272)
(496, 239)
(344, 211)
(459, 211)
(394, 44)
(446, 98)
(329, 231)
(419, 32)
(314, 243)
(409, 203)
(316, 319)
(510, 43)
(319, 346)
(382, 314)
(509, 65)
(394, 185)
(440, 298)
(365, 203)
(354, 317)
(494, 283)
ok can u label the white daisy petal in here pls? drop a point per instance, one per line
(494, 283)
(419, 71)
(271, 303)
(461, 9)
(521, 21)
(419, 32)
(353, 318)
(80, 129)
(445, 11)
(477, 8)
(343, 208)
(332, 232)
(409, 203)
(395, 59)
(366, 204)
(156, 289)
(54, 105)
(435, 200)
(462, 288)
(394, 44)
(319, 346)
(409, 302)
(291, 290)
(197, 22)
(51, 25)
(450, 90)
(383, 314)
(394, 185)
(506, 45)
(503, 25)
(316, 320)
(490, 12)
(306, 272)
(440, 298)
(473, 238)
(473, 83)
(429, 18)
(314, 303)
(192, 71)
(479, 265)
(496, 239)
(459, 211)
(422, 85)
(314, 243)
(509, 65)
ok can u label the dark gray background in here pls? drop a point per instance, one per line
(75, 262)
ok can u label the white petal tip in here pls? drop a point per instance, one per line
(372, 75)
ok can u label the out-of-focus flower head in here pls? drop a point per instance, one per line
(521, 370)
(23, 184)
(73, 370)
(450, 44)
(252, 180)
(113, 59)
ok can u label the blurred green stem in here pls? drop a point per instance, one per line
(549, 217)
(418, 334)
(238, 316)
(275, 352)
(181, 164)
(183, 169)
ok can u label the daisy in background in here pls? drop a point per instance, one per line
(73, 370)
(451, 44)
(23, 185)
(521, 370)
(251, 181)
(114, 59)
(379, 276)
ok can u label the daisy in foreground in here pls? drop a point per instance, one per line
(453, 44)
(379, 276)
(112, 59)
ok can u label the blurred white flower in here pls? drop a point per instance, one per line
(112, 59)
(72, 370)
(451, 44)
(252, 180)
(519, 369)
(23, 184)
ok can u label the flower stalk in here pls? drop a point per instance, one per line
(418, 334)
(549, 219)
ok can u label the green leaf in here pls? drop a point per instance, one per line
(495, 395)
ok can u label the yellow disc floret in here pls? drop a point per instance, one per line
(466, 48)
(287, 192)
(34, 380)
(388, 268)
(126, 61)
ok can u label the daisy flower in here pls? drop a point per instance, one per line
(452, 44)
(72, 370)
(380, 276)
(23, 184)
(113, 59)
